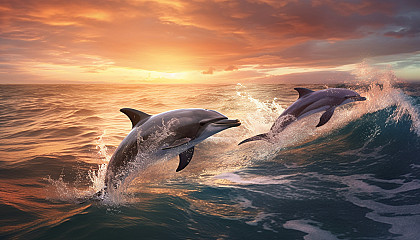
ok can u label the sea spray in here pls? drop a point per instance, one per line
(376, 84)
(97, 177)
(355, 178)
(257, 117)
(64, 191)
(260, 115)
(381, 94)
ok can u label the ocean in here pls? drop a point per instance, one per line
(357, 177)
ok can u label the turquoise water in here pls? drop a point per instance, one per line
(357, 177)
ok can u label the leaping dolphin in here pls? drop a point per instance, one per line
(309, 102)
(163, 135)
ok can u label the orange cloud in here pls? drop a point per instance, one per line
(188, 36)
(231, 68)
(209, 71)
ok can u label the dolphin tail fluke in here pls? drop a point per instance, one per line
(263, 136)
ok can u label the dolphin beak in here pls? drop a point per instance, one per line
(228, 122)
(357, 98)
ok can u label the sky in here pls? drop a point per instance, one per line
(215, 41)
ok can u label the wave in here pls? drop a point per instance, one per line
(362, 132)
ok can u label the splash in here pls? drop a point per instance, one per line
(257, 116)
(60, 190)
(382, 94)
(147, 156)
(376, 84)
(97, 177)
(260, 115)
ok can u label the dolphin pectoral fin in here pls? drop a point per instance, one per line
(134, 115)
(303, 91)
(177, 143)
(255, 138)
(185, 158)
(325, 117)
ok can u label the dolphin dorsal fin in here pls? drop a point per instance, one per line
(134, 115)
(303, 91)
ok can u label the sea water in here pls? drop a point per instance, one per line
(356, 177)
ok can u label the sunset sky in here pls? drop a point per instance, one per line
(216, 41)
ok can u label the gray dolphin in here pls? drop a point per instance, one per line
(309, 102)
(163, 135)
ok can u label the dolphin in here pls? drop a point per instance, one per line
(309, 102)
(166, 134)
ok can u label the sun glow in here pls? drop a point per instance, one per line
(106, 74)
(156, 41)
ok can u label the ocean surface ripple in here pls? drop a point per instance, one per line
(357, 177)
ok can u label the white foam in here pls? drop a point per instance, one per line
(97, 177)
(404, 219)
(262, 217)
(311, 228)
(244, 203)
(379, 92)
(406, 227)
(259, 116)
(266, 180)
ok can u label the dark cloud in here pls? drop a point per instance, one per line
(320, 77)
(406, 26)
(324, 53)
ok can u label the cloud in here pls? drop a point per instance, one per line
(176, 36)
(320, 77)
(406, 26)
(209, 71)
(231, 68)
